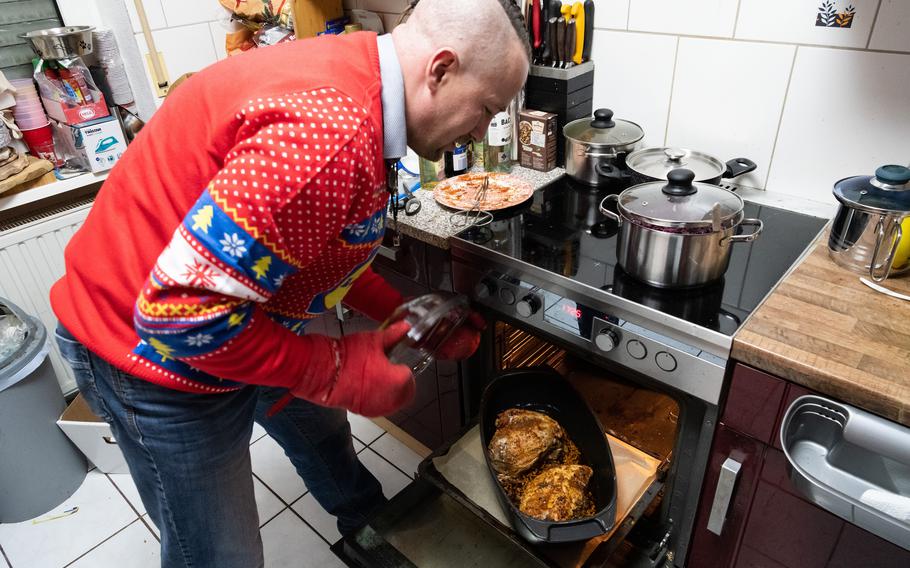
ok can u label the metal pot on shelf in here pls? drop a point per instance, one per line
(866, 231)
(653, 164)
(596, 149)
(678, 233)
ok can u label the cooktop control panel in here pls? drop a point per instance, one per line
(634, 346)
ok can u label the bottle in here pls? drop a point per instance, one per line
(497, 146)
(456, 162)
(478, 152)
(431, 173)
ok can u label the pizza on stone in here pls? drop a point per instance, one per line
(503, 191)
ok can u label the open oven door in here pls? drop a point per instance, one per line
(450, 517)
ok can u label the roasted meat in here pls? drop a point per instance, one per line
(522, 439)
(557, 494)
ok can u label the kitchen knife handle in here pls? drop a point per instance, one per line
(552, 51)
(589, 30)
(560, 41)
(570, 42)
(578, 12)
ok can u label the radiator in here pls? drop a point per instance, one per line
(31, 260)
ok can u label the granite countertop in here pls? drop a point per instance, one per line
(433, 223)
(823, 329)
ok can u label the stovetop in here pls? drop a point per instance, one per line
(562, 230)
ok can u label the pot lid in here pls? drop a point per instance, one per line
(681, 204)
(603, 130)
(888, 191)
(658, 162)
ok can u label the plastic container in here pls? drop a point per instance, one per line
(39, 467)
(40, 142)
(433, 318)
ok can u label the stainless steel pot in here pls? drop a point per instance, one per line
(596, 149)
(61, 43)
(678, 234)
(653, 164)
(867, 227)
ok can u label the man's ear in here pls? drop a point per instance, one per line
(442, 65)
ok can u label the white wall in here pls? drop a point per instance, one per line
(758, 78)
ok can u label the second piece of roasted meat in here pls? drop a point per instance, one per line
(522, 439)
(557, 494)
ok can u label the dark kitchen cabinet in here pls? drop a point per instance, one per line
(768, 523)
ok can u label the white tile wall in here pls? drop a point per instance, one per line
(729, 119)
(154, 13)
(793, 21)
(847, 112)
(182, 13)
(185, 48)
(611, 14)
(218, 30)
(691, 17)
(633, 76)
(892, 27)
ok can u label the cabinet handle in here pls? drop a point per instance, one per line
(723, 494)
(388, 252)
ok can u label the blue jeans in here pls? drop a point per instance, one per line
(189, 456)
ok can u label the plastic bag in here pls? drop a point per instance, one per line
(13, 335)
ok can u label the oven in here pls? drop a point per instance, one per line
(651, 365)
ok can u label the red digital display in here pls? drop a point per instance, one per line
(571, 310)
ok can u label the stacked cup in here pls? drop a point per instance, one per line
(108, 56)
(31, 119)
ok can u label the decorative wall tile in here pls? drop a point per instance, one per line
(612, 14)
(843, 23)
(727, 100)
(690, 17)
(847, 112)
(633, 74)
(892, 27)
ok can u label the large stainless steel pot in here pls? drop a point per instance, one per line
(867, 228)
(596, 149)
(653, 164)
(678, 234)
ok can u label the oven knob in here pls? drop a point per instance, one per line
(606, 340)
(636, 349)
(484, 289)
(507, 296)
(528, 306)
(665, 361)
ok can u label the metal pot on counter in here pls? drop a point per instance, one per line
(596, 149)
(677, 233)
(866, 230)
(653, 164)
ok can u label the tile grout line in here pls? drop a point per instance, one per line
(89, 551)
(145, 521)
(388, 461)
(672, 88)
(628, 13)
(5, 557)
(312, 528)
(761, 41)
(780, 118)
(122, 494)
(874, 21)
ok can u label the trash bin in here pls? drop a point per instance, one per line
(39, 467)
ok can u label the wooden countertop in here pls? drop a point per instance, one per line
(822, 328)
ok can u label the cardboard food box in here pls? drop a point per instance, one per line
(77, 114)
(537, 140)
(97, 145)
(92, 436)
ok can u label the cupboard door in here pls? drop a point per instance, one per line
(730, 480)
(753, 402)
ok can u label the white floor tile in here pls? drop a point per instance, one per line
(358, 446)
(102, 512)
(258, 432)
(363, 428)
(134, 546)
(403, 457)
(391, 479)
(324, 523)
(266, 503)
(287, 541)
(127, 486)
(274, 468)
(151, 525)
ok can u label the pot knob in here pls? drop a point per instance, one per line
(484, 289)
(893, 174)
(603, 118)
(528, 306)
(680, 183)
(606, 340)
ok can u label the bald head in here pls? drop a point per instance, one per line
(462, 61)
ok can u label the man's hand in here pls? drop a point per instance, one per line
(464, 340)
(362, 378)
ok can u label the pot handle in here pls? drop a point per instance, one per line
(607, 212)
(749, 237)
(737, 167)
(880, 271)
(610, 171)
(590, 154)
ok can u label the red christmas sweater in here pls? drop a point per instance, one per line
(252, 203)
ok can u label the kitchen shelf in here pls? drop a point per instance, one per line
(50, 190)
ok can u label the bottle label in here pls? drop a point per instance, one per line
(460, 161)
(500, 132)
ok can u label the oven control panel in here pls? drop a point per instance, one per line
(634, 346)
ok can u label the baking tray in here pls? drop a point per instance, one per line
(851, 463)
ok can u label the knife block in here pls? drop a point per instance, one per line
(568, 93)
